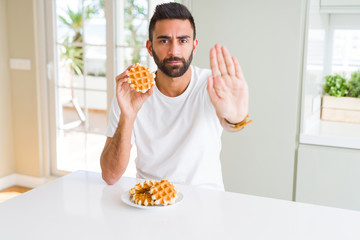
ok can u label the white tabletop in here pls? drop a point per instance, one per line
(81, 206)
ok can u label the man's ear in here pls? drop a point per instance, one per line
(149, 47)
(196, 42)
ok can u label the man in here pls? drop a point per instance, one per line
(177, 124)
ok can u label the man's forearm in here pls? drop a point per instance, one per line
(116, 153)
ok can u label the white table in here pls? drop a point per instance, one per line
(81, 206)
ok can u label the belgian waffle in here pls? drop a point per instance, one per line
(143, 199)
(153, 193)
(163, 193)
(140, 78)
(142, 187)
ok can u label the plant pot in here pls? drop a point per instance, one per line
(340, 109)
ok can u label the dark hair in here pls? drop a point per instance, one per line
(170, 10)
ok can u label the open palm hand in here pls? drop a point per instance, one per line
(227, 87)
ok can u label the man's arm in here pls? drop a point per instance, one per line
(227, 88)
(115, 156)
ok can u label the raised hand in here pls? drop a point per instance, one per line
(227, 87)
(129, 100)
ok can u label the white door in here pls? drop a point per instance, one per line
(89, 43)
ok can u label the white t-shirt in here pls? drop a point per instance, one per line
(177, 138)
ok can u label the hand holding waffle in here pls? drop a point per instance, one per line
(133, 87)
(227, 87)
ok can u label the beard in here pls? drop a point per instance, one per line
(173, 71)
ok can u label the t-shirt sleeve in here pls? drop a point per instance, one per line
(114, 116)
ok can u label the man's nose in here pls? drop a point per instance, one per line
(174, 49)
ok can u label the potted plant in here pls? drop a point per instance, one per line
(354, 85)
(341, 101)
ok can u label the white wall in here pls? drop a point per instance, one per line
(266, 36)
(6, 140)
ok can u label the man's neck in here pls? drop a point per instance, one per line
(172, 87)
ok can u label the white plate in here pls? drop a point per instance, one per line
(125, 197)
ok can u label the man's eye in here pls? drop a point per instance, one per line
(164, 41)
(183, 41)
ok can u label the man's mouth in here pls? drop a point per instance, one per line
(174, 62)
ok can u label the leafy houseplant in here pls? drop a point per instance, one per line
(343, 104)
(354, 85)
(335, 85)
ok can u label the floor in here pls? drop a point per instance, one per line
(80, 147)
(97, 120)
(11, 192)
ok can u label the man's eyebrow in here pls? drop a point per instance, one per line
(168, 37)
(183, 37)
(163, 36)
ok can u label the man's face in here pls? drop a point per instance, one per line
(173, 46)
(173, 66)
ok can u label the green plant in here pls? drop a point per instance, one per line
(72, 54)
(354, 85)
(335, 85)
(72, 50)
(135, 17)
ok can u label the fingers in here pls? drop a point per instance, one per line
(213, 63)
(121, 80)
(122, 77)
(210, 83)
(210, 88)
(215, 91)
(150, 91)
(228, 61)
(220, 60)
(238, 71)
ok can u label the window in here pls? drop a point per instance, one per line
(346, 51)
(80, 83)
(332, 46)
